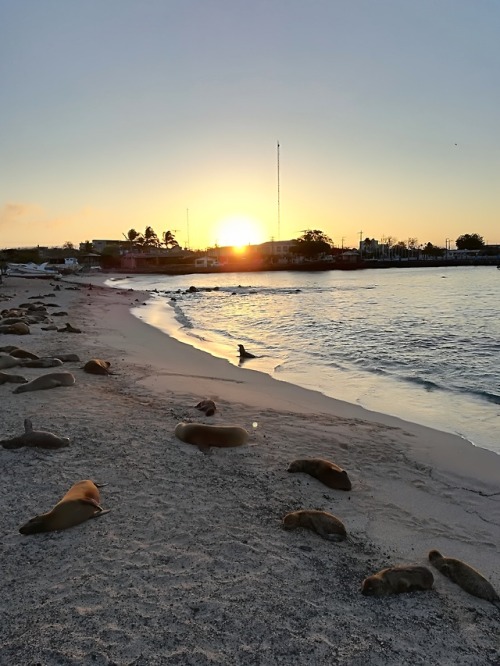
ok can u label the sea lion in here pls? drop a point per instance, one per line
(244, 353)
(22, 353)
(35, 438)
(325, 471)
(15, 329)
(13, 379)
(207, 406)
(8, 361)
(68, 357)
(205, 436)
(43, 362)
(80, 503)
(396, 580)
(325, 524)
(68, 328)
(97, 366)
(464, 575)
(51, 380)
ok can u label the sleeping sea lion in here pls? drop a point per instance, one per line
(325, 524)
(325, 471)
(22, 353)
(68, 328)
(68, 357)
(80, 503)
(396, 580)
(35, 438)
(14, 379)
(464, 575)
(43, 362)
(51, 380)
(15, 329)
(97, 366)
(205, 436)
(8, 361)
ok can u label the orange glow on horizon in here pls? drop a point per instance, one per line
(238, 231)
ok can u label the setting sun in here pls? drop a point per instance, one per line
(238, 231)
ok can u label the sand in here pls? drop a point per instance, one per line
(192, 566)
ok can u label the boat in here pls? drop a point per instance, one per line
(32, 270)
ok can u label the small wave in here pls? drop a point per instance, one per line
(485, 395)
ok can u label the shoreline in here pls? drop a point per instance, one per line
(193, 539)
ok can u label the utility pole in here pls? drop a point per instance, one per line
(360, 246)
(278, 164)
(187, 223)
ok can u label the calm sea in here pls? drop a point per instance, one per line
(419, 343)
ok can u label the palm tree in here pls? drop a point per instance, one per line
(169, 240)
(150, 238)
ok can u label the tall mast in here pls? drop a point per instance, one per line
(278, 161)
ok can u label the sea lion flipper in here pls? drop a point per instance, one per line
(28, 426)
(102, 511)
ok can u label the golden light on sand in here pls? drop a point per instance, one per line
(238, 231)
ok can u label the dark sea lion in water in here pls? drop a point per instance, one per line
(244, 354)
(51, 380)
(465, 576)
(325, 471)
(207, 406)
(5, 377)
(35, 438)
(80, 503)
(323, 523)
(397, 580)
(205, 436)
(97, 366)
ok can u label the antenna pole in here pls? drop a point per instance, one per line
(187, 222)
(278, 162)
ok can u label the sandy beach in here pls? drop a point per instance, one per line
(192, 565)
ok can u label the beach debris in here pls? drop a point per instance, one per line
(207, 406)
(35, 438)
(398, 580)
(48, 381)
(97, 366)
(325, 471)
(325, 524)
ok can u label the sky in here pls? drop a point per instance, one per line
(167, 113)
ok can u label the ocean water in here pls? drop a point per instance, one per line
(422, 344)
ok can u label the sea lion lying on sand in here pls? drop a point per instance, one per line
(464, 575)
(68, 357)
(325, 471)
(8, 361)
(97, 366)
(35, 438)
(15, 329)
(13, 379)
(80, 503)
(68, 329)
(44, 362)
(325, 524)
(207, 406)
(397, 580)
(22, 353)
(205, 436)
(51, 380)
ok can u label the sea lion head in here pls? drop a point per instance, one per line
(373, 586)
(295, 466)
(434, 555)
(35, 525)
(291, 520)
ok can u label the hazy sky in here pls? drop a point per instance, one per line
(118, 114)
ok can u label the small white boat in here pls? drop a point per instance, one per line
(32, 270)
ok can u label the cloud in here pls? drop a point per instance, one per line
(15, 212)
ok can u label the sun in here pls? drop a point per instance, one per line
(238, 231)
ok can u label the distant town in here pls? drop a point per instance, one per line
(314, 250)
